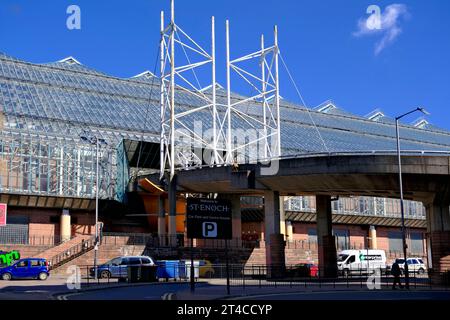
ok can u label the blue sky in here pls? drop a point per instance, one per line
(317, 39)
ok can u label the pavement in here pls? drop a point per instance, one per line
(216, 289)
(354, 295)
(56, 288)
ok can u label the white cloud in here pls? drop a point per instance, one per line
(388, 22)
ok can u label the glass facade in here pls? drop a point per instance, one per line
(46, 108)
(362, 206)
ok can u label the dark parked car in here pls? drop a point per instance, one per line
(303, 270)
(118, 267)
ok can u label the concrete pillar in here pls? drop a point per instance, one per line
(325, 239)
(275, 257)
(162, 233)
(289, 231)
(172, 227)
(438, 218)
(236, 219)
(373, 237)
(65, 226)
(282, 218)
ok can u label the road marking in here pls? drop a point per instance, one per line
(169, 296)
(64, 297)
(35, 291)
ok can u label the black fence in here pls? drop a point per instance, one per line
(260, 276)
(162, 241)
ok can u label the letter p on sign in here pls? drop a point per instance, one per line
(209, 229)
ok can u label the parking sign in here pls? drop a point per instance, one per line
(208, 219)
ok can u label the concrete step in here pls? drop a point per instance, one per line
(104, 254)
(61, 248)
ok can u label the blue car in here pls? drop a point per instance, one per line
(30, 268)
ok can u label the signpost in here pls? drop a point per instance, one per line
(209, 219)
(3, 209)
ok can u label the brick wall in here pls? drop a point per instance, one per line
(24, 250)
(440, 243)
(44, 223)
(252, 230)
(357, 234)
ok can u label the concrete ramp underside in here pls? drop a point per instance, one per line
(424, 177)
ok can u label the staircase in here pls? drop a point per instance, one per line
(68, 250)
(105, 253)
(64, 246)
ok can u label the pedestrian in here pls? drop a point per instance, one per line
(396, 272)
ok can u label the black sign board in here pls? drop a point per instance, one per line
(208, 219)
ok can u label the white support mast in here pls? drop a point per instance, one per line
(162, 142)
(266, 85)
(176, 122)
(213, 87)
(229, 158)
(277, 92)
(181, 82)
(263, 82)
(172, 89)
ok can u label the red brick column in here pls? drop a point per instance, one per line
(438, 218)
(325, 239)
(440, 255)
(327, 257)
(277, 266)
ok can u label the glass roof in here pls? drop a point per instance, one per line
(65, 98)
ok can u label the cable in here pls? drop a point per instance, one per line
(189, 61)
(148, 105)
(303, 102)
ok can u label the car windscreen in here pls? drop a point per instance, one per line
(400, 261)
(342, 257)
(114, 262)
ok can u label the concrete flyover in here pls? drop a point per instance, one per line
(426, 178)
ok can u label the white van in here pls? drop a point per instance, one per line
(355, 262)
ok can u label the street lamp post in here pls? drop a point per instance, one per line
(97, 142)
(402, 206)
(96, 209)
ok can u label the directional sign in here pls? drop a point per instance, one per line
(3, 208)
(208, 219)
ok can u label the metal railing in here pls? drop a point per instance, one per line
(243, 277)
(144, 239)
(163, 241)
(32, 240)
(72, 252)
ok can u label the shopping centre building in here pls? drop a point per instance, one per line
(54, 117)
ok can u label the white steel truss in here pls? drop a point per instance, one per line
(267, 88)
(173, 119)
(177, 122)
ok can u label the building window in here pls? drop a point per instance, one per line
(416, 243)
(395, 241)
(312, 235)
(342, 239)
(305, 203)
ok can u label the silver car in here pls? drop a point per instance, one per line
(118, 267)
